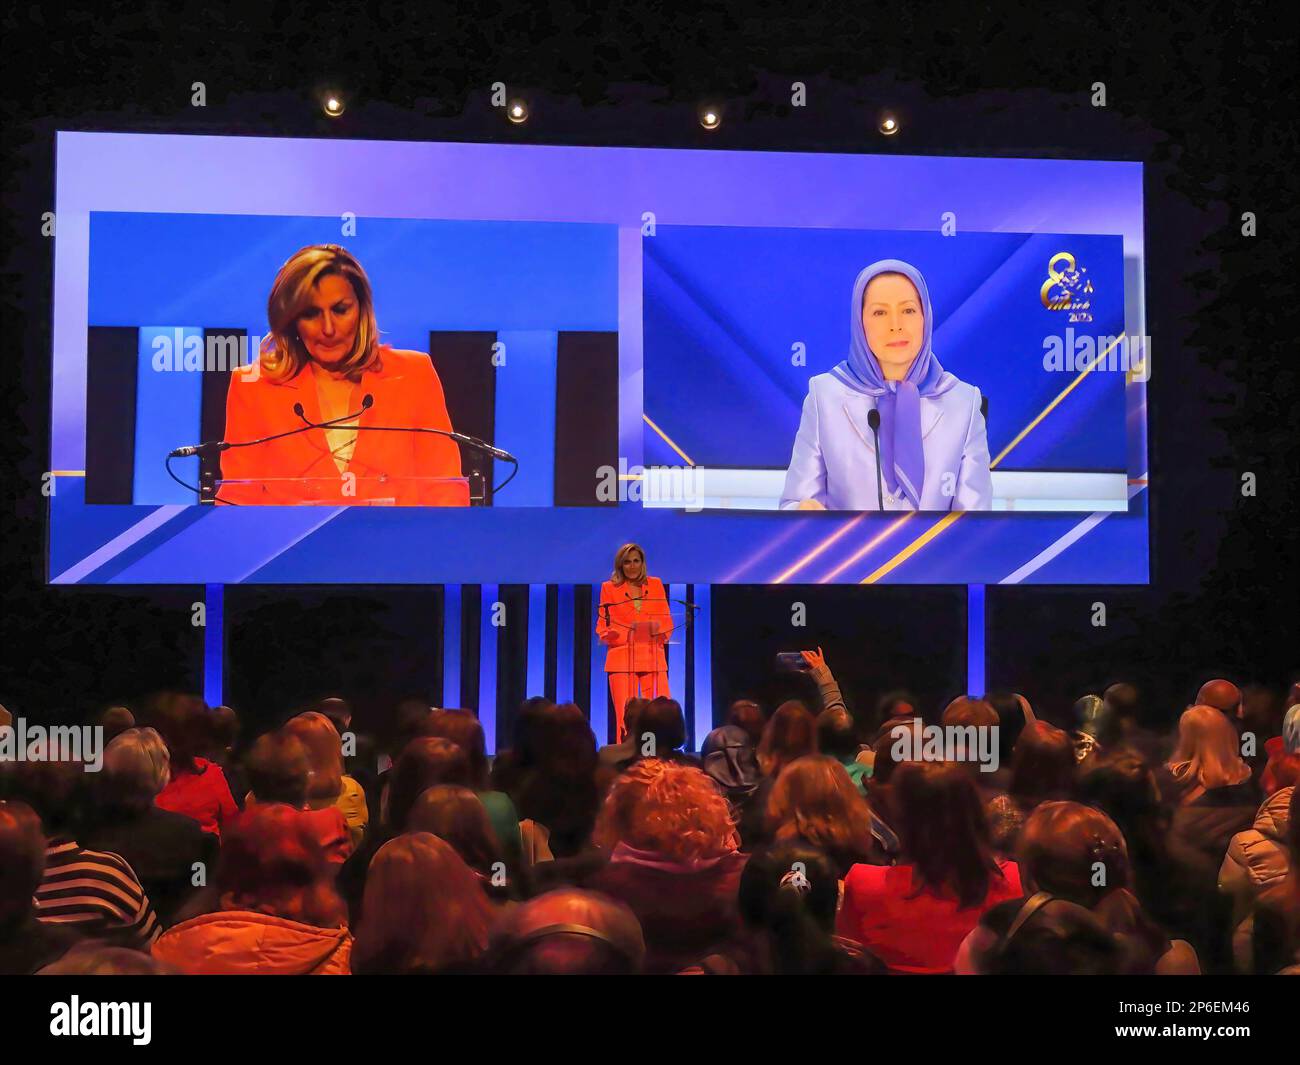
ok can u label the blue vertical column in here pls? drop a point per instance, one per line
(677, 648)
(168, 411)
(487, 666)
(451, 645)
(702, 641)
(525, 415)
(598, 693)
(214, 643)
(564, 644)
(536, 641)
(975, 639)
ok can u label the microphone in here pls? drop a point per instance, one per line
(206, 448)
(873, 420)
(369, 401)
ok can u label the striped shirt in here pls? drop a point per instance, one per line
(95, 893)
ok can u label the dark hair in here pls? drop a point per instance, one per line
(789, 892)
(463, 729)
(457, 815)
(1122, 786)
(277, 768)
(54, 790)
(836, 735)
(1043, 766)
(222, 727)
(943, 831)
(1011, 722)
(887, 705)
(114, 721)
(426, 761)
(790, 733)
(181, 720)
(559, 788)
(664, 720)
(748, 715)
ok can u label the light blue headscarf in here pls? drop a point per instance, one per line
(902, 456)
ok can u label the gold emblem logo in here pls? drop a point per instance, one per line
(1067, 288)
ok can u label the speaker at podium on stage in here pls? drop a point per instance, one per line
(635, 621)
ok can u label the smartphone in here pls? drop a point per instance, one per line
(791, 660)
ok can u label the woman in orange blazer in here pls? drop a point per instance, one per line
(635, 657)
(323, 355)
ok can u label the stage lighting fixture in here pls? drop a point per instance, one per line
(888, 125)
(710, 117)
(332, 105)
(517, 112)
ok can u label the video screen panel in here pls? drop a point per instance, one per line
(283, 361)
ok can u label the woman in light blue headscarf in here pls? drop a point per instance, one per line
(928, 450)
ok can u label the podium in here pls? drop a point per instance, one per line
(341, 491)
(643, 636)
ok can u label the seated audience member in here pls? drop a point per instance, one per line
(1224, 696)
(973, 716)
(567, 932)
(279, 911)
(360, 749)
(837, 736)
(673, 859)
(790, 733)
(198, 787)
(1258, 869)
(425, 911)
(814, 802)
(521, 754)
(222, 737)
(328, 784)
(163, 848)
(463, 729)
(1063, 849)
(731, 763)
(1282, 770)
(114, 721)
(426, 761)
(1275, 944)
(615, 757)
(26, 943)
(914, 916)
(1012, 720)
(455, 814)
(1122, 786)
(279, 771)
(1125, 707)
(92, 893)
(893, 709)
(555, 783)
(1043, 768)
(661, 728)
(1092, 728)
(788, 898)
(748, 715)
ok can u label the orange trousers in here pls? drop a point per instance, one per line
(625, 686)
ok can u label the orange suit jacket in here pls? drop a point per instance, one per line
(616, 605)
(407, 393)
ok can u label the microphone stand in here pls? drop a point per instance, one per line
(873, 420)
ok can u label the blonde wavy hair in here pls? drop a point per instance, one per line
(814, 799)
(670, 809)
(283, 353)
(1208, 750)
(621, 557)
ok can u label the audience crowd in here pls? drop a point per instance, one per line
(814, 839)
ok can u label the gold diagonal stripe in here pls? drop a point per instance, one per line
(952, 516)
(667, 440)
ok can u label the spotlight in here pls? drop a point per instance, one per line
(517, 112)
(888, 125)
(710, 117)
(332, 105)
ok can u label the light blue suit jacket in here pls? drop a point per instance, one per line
(834, 459)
